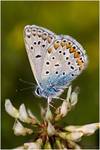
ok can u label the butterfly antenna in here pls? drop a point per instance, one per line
(27, 88)
(26, 82)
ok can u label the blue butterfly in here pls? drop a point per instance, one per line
(56, 60)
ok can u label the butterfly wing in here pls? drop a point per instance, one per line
(37, 40)
(64, 61)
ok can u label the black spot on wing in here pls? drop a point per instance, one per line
(56, 64)
(38, 56)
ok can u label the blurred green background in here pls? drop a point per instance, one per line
(75, 18)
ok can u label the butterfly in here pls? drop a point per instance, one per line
(56, 60)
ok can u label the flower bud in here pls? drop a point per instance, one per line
(64, 108)
(10, 109)
(58, 143)
(69, 93)
(42, 112)
(48, 116)
(74, 97)
(62, 135)
(47, 145)
(71, 128)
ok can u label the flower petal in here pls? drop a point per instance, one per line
(10, 109)
(20, 130)
(50, 129)
(23, 115)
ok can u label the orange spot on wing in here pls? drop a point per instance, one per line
(68, 44)
(49, 50)
(56, 45)
(63, 43)
(79, 62)
(49, 39)
(72, 49)
(76, 55)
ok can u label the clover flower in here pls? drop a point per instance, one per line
(49, 134)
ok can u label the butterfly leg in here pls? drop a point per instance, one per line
(60, 98)
(49, 102)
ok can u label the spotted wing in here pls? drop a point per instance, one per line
(64, 61)
(37, 40)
